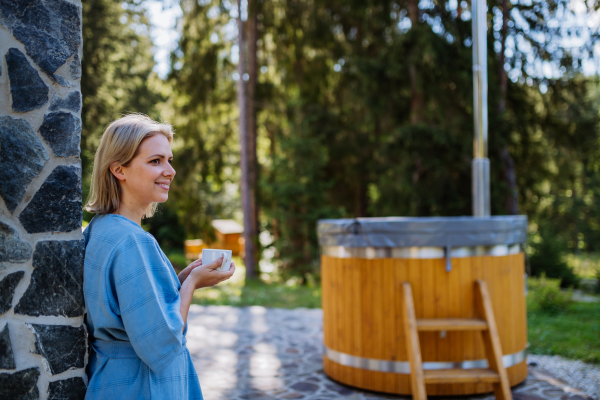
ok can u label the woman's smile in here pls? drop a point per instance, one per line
(164, 185)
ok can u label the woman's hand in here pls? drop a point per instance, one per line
(186, 272)
(207, 275)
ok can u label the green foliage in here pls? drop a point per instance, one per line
(165, 227)
(545, 294)
(201, 106)
(117, 67)
(117, 75)
(546, 257)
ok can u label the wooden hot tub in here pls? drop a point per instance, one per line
(364, 262)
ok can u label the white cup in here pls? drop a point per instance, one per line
(210, 255)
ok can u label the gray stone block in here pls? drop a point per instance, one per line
(67, 389)
(28, 91)
(21, 385)
(7, 290)
(62, 346)
(49, 30)
(12, 249)
(22, 157)
(56, 281)
(56, 207)
(62, 131)
(72, 102)
(7, 359)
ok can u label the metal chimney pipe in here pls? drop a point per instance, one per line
(481, 163)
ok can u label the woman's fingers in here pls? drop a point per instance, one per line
(215, 264)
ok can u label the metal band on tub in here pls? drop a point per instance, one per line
(403, 367)
(419, 251)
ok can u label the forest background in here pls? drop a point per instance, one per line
(363, 108)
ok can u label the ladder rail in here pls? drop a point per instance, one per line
(486, 324)
(491, 340)
(413, 347)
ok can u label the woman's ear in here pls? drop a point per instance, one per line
(117, 170)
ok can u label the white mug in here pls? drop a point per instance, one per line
(210, 255)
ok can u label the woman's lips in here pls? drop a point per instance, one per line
(163, 185)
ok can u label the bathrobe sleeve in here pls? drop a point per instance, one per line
(148, 301)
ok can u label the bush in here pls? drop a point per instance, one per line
(548, 296)
(547, 256)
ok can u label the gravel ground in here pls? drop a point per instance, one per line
(577, 374)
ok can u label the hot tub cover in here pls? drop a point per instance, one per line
(424, 231)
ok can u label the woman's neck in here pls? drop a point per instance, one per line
(134, 214)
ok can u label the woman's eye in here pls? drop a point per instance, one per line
(156, 161)
(170, 161)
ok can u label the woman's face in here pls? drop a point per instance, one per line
(149, 174)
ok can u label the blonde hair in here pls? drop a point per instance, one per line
(121, 143)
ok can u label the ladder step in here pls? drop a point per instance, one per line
(477, 375)
(451, 324)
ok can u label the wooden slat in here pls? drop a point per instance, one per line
(424, 296)
(412, 345)
(455, 338)
(479, 268)
(491, 341)
(355, 303)
(401, 268)
(464, 348)
(338, 314)
(390, 345)
(451, 324)
(373, 306)
(441, 295)
(460, 376)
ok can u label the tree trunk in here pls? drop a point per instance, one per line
(251, 69)
(247, 150)
(416, 97)
(512, 198)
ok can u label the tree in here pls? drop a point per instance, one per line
(117, 72)
(201, 104)
(247, 69)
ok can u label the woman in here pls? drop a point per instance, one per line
(136, 305)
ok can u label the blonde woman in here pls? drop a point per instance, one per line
(136, 305)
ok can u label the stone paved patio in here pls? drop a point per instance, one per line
(264, 354)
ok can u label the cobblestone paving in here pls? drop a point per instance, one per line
(266, 354)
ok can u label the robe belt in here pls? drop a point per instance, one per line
(118, 349)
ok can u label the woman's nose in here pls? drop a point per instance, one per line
(170, 171)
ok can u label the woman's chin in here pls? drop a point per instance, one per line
(161, 198)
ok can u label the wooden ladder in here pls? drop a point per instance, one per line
(495, 374)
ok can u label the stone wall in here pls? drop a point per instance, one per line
(42, 335)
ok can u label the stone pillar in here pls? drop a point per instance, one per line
(42, 336)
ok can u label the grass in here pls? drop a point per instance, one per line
(573, 334)
(239, 293)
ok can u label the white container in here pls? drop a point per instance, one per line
(210, 255)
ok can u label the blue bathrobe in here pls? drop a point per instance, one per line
(135, 327)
